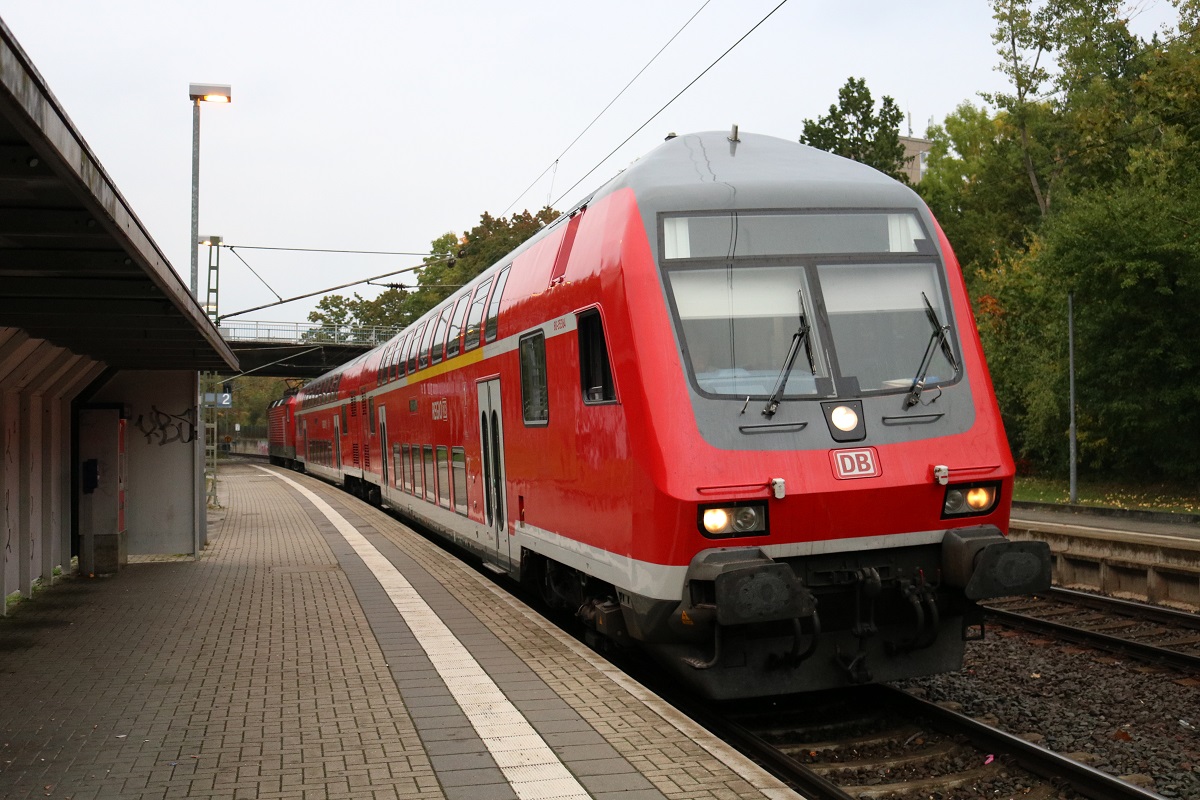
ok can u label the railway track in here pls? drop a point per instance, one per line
(879, 743)
(1147, 633)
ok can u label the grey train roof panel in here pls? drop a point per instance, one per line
(756, 172)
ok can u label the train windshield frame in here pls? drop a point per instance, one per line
(856, 319)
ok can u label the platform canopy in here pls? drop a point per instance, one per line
(77, 267)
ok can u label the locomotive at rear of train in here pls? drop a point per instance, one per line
(732, 408)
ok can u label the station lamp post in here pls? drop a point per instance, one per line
(200, 93)
(214, 275)
(203, 93)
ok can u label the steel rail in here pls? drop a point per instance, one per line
(1165, 616)
(787, 769)
(1185, 662)
(1091, 783)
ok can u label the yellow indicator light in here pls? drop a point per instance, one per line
(980, 497)
(715, 520)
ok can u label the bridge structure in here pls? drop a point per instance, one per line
(297, 349)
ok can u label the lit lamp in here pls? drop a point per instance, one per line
(208, 93)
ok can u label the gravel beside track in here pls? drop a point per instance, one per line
(1117, 716)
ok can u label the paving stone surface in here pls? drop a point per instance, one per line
(274, 666)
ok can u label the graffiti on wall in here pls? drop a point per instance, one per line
(167, 428)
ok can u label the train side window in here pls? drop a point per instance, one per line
(423, 353)
(443, 467)
(382, 365)
(408, 360)
(535, 397)
(412, 350)
(430, 473)
(565, 245)
(475, 317)
(397, 465)
(397, 354)
(345, 425)
(453, 342)
(595, 372)
(416, 473)
(458, 466)
(439, 336)
(371, 414)
(493, 317)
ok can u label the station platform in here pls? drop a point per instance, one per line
(319, 648)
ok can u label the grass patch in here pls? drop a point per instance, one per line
(1151, 497)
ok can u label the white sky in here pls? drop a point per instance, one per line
(373, 125)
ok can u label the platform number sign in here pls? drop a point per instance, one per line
(218, 399)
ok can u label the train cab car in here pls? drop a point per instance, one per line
(281, 431)
(732, 408)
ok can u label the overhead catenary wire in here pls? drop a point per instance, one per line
(554, 164)
(672, 100)
(255, 274)
(322, 291)
(326, 250)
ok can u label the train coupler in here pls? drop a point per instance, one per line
(794, 658)
(855, 666)
(927, 619)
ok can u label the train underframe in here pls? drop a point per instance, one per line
(749, 625)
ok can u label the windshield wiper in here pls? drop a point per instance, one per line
(939, 336)
(801, 336)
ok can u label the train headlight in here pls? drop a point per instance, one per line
(844, 418)
(716, 520)
(743, 519)
(970, 500)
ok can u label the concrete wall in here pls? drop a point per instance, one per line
(162, 437)
(37, 384)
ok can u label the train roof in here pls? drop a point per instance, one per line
(702, 171)
(708, 171)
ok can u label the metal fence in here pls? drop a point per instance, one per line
(303, 332)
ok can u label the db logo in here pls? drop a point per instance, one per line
(863, 463)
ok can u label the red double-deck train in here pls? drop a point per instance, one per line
(732, 407)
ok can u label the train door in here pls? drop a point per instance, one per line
(491, 434)
(385, 456)
(337, 440)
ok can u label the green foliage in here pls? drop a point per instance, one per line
(452, 263)
(1106, 125)
(854, 129)
(252, 395)
(969, 186)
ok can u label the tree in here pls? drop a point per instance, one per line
(1104, 124)
(969, 186)
(853, 129)
(452, 263)
(1121, 237)
(1024, 38)
(1135, 273)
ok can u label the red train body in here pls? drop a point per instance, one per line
(281, 431)
(733, 407)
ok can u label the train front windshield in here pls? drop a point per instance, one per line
(855, 298)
